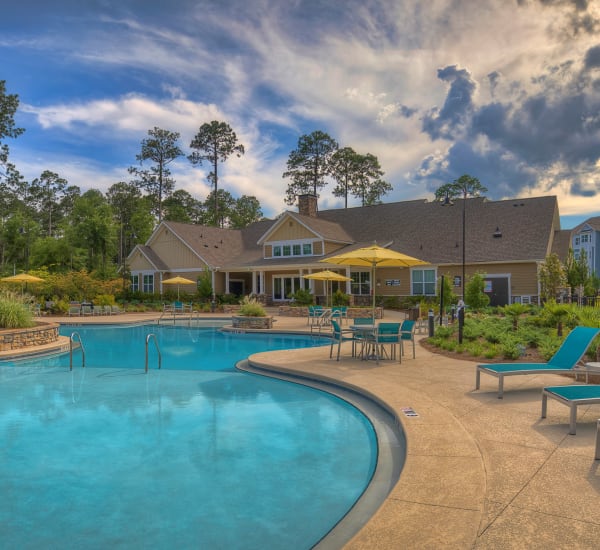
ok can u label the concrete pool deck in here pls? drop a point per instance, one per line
(480, 472)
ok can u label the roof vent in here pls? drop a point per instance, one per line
(497, 233)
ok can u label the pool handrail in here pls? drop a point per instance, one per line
(71, 340)
(153, 336)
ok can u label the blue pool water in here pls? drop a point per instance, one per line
(195, 455)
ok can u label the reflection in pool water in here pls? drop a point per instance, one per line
(204, 458)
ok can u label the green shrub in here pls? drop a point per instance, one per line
(548, 346)
(15, 314)
(444, 332)
(340, 299)
(250, 307)
(511, 349)
(303, 297)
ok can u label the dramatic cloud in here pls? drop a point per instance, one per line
(506, 91)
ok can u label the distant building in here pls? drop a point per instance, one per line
(507, 240)
(586, 236)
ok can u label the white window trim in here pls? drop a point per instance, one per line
(291, 244)
(422, 268)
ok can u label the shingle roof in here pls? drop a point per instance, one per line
(561, 243)
(419, 228)
(594, 223)
(431, 232)
(153, 257)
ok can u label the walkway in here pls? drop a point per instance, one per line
(480, 472)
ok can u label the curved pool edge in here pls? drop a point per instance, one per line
(391, 443)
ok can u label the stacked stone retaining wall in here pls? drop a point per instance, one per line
(19, 338)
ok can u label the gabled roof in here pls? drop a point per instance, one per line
(151, 256)
(593, 223)
(326, 230)
(213, 245)
(505, 231)
(432, 232)
(561, 244)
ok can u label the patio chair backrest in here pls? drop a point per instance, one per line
(363, 321)
(388, 328)
(573, 348)
(336, 327)
(407, 329)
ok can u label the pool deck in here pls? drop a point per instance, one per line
(480, 472)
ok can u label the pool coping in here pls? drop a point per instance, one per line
(391, 446)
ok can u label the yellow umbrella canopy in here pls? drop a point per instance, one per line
(327, 276)
(178, 281)
(374, 256)
(22, 278)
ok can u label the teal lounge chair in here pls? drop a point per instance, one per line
(564, 360)
(572, 396)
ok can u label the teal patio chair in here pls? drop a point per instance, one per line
(339, 336)
(572, 396)
(387, 334)
(407, 334)
(563, 361)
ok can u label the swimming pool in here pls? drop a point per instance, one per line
(190, 457)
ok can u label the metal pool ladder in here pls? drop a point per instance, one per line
(153, 337)
(71, 341)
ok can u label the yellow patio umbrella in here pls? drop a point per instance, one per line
(327, 276)
(23, 278)
(374, 256)
(178, 281)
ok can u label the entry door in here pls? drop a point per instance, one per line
(497, 290)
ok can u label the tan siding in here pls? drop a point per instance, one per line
(268, 251)
(523, 278)
(330, 247)
(290, 231)
(170, 249)
(318, 248)
(139, 263)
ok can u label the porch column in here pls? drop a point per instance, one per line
(263, 283)
(254, 286)
(227, 282)
(348, 283)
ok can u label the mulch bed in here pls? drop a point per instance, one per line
(532, 355)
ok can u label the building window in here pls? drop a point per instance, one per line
(293, 249)
(135, 283)
(361, 282)
(576, 241)
(584, 238)
(148, 285)
(284, 287)
(423, 282)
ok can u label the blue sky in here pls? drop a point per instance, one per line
(505, 90)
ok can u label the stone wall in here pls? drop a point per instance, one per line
(19, 338)
(240, 321)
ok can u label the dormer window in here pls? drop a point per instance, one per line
(292, 249)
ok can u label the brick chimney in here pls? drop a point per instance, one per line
(307, 205)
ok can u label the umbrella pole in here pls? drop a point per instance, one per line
(373, 287)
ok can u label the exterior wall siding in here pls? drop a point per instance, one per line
(290, 231)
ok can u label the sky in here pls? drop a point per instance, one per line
(507, 91)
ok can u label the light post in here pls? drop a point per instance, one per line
(448, 202)
(461, 310)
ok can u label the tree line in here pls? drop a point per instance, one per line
(47, 222)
